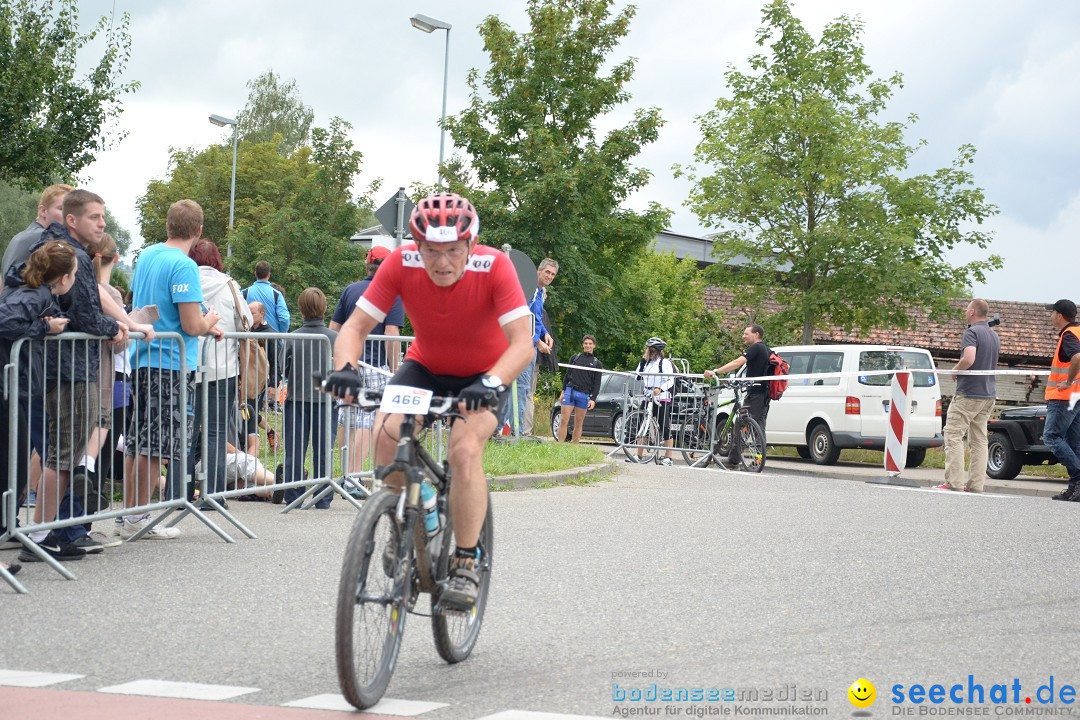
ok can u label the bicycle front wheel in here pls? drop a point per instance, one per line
(751, 444)
(372, 602)
(456, 632)
(639, 428)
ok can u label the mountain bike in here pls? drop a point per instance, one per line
(390, 561)
(700, 443)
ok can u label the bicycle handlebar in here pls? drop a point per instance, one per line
(371, 398)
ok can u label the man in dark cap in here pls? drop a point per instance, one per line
(1062, 430)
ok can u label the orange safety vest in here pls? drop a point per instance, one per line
(1059, 371)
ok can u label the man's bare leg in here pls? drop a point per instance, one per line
(579, 423)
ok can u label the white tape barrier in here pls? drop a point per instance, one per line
(817, 376)
(896, 441)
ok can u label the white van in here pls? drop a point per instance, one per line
(821, 417)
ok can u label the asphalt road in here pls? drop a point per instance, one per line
(713, 579)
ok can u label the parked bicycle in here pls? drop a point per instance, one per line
(706, 434)
(641, 433)
(390, 560)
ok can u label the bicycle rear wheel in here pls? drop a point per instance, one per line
(371, 604)
(639, 428)
(456, 632)
(694, 439)
(751, 444)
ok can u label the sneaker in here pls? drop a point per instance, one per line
(943, 486)
(126, 529)
(666, 461)
(89, 544)
(106, 541)
(464, 584)
(12, 568)
(53, 548)
(85, 484)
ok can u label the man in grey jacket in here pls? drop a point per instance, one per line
(50, 210)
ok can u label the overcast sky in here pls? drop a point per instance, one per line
(999, 74)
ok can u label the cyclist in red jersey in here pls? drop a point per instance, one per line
(473, 334)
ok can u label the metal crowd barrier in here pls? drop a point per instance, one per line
(218, 453)
(73, 400)
(297, 463)
(686, 409)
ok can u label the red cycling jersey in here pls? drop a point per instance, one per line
(458, 328)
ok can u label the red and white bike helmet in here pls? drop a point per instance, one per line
(445, 217)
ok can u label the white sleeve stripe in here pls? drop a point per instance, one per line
(514, 314)
(364, 304)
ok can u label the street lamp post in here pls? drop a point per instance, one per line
(429, 24)
(222, 122)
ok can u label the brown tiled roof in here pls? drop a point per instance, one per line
(1026, 335)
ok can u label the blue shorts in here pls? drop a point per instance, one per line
(576, 398)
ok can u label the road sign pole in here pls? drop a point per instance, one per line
(399, 226)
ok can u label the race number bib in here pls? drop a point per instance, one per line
(405, 400)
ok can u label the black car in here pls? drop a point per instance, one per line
(603, 420)
(1015, 440)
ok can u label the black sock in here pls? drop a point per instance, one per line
(469, 553)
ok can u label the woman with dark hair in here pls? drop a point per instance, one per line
(30, 311)
(219, 362)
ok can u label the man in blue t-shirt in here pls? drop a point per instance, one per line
(277, 310)
(166, 277)
(380, 354)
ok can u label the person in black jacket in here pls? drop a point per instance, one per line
(30, 311)
(580, 388)
(756, 360)
(72, 367)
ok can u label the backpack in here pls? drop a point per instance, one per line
(254, 369)
(682, 386)
(254, 365)
(777, 366)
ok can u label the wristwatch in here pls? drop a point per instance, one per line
(492, 381)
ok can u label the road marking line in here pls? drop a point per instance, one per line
(530, 715)
(386, 706)
(947, 492)
(182, 690)
(20, 678)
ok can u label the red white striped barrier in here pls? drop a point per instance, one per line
(897, 438)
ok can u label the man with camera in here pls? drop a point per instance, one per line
(973, 402)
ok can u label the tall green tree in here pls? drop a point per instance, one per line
(541, 178)
(664, 296)
(296, 211)
(51, 122)
(119, 233)
(274, 107)
(814, 192)
(18, 208)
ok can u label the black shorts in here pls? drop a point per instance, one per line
(413, 374)
(662, 412)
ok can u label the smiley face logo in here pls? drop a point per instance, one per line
(862, 693)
